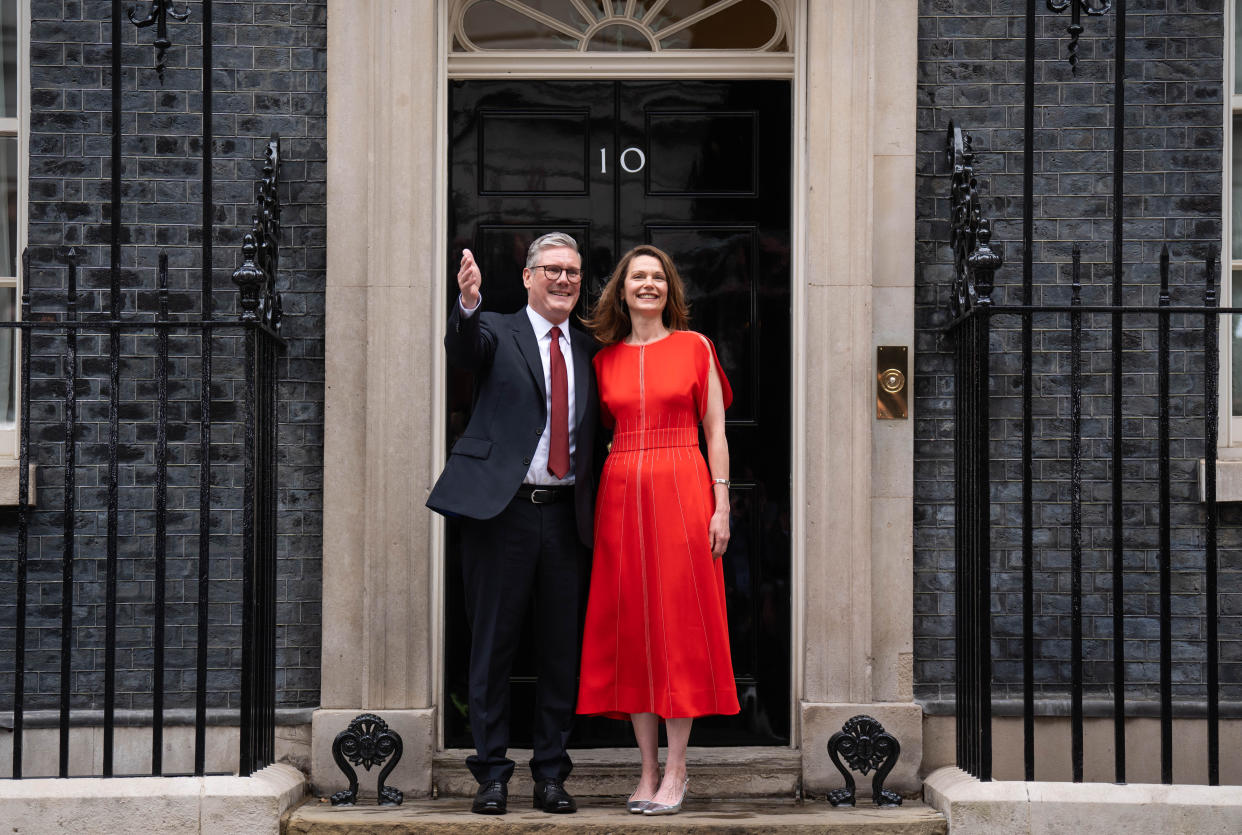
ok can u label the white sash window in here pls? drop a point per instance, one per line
(14, 42)
(1232, 221)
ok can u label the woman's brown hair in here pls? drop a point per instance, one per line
(610, 318)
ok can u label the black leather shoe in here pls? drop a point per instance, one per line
(550, 796)
(491, 799)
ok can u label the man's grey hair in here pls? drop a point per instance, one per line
(548, 241)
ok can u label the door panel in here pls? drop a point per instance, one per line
(702, 153)
(717, 265)
(537, 152)
(700, 169)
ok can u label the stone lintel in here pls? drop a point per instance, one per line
(10, 471)
(1228, 480)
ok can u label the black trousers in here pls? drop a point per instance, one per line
(528, 555)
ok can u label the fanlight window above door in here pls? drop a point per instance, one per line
(620, 25)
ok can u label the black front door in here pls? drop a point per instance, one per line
(701, 169)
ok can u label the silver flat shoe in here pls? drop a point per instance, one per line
(635, 807)
(665, 809)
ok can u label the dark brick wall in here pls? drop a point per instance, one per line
(970, 71)
(270, 60)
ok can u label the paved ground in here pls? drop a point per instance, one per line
(608, 815)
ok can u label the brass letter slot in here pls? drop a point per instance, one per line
(891, 372)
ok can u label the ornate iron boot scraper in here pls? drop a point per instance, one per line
(367, 741)
(865, 745)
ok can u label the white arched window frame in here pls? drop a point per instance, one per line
(572, 26)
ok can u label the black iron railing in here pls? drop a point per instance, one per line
(257, 545)
(258, 327)
(972, 334)
(235, 365)
(978, 328)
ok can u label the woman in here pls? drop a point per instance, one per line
(656, 642)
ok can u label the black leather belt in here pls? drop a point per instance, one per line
(535, 494)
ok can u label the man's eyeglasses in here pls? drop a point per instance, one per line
(573, 275)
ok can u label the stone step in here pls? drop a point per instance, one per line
(608, 815)
(613, 772)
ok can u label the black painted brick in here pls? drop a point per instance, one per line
(970, 71)
(269, 75)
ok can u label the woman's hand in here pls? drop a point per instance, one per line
(718, 531)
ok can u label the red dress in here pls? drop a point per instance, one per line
(656, 638)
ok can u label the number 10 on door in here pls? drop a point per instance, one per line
(632, 160)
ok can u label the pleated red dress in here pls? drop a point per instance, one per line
(656, 638)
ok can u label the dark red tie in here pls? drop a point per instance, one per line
(558, 452)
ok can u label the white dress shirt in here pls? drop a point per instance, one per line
(538, 472)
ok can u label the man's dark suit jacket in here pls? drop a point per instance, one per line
(487, 464)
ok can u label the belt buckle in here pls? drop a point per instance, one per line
(536, 493)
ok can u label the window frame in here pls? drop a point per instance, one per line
(19, 127)
(630, 17)
(667, 63)
(1231, 425)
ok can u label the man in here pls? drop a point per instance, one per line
(521, 479)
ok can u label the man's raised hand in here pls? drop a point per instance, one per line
(469, 279)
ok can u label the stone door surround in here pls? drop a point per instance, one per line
(853, 285)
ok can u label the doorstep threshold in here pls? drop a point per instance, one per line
(750, 772)
(608, 815)
(740, 756)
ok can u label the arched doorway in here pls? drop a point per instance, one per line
(699, 167)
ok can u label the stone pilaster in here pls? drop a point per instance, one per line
(382, 234)
(857, 569)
